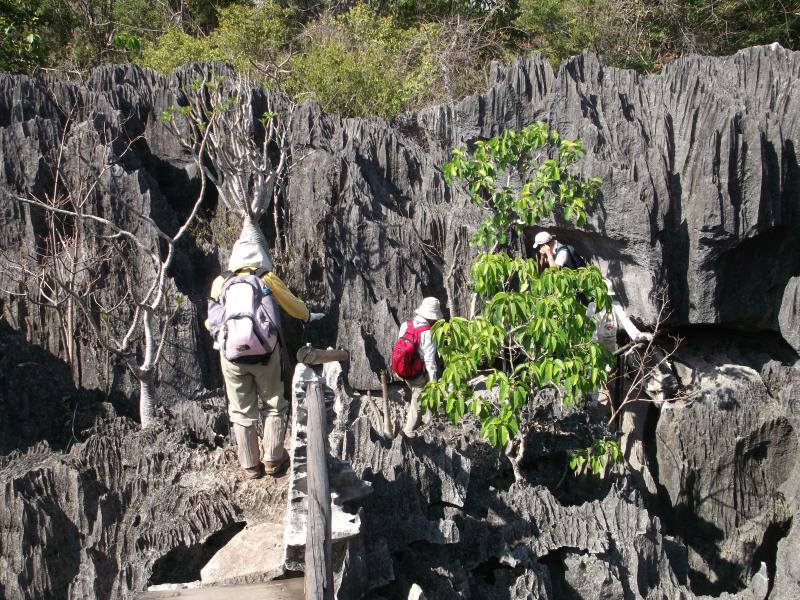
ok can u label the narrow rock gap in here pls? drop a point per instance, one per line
(487, 570)
(554, 562)
(182, 564)
(768, 551)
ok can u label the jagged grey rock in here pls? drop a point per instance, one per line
(784, 385)
(699, 164)
(700, 195)
(421, 482)
(789, 316)
(724, 456)
(122, 509)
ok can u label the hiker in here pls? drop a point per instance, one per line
(609, 322)
(414, 357)
(554, 254)
(245, 325)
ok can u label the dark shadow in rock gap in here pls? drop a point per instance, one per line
(52, 409)
(768, 551)
(182, 564)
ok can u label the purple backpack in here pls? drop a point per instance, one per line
(244, 319)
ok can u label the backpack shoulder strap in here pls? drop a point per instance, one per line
(409, 328)
(243, 276)
(415, 332)
(219, 285)
(577, 259)
(216, 288)
(563, 248)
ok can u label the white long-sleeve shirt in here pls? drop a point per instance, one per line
(426, 349)
(608, 322)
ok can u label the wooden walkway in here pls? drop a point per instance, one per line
(283, 589)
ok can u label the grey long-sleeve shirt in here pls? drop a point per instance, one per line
(426, 348)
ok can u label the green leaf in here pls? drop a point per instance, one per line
(503, 439)
(491, 435)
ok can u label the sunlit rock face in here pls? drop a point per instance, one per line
(701, 194)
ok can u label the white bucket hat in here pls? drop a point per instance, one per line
(430, 309)
(248, 252)
(541, 239)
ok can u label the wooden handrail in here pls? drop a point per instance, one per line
(309, 355)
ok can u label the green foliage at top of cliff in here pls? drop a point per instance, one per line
(379, 57)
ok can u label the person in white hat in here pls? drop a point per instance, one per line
(415, 334)
(259, 378)
(554, 254)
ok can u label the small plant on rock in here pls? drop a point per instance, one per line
(531, 330)
(595, 458)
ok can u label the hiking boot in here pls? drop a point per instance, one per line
(276, 468)
(256, 472)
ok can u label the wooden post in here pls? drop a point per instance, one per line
(319, 564)
(388, 418)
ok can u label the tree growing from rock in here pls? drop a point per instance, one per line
(110, 265)
(529, 328)
(240, 145)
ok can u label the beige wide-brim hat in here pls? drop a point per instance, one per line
(430, 309)
(541, 239)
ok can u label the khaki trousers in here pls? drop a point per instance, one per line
(246, 385)
(414, 411)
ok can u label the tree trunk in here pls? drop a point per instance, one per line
(388, 419)
(254, 232)
(147, 398)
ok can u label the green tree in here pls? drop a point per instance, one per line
(628, 33)
(359, 63)
(21, 43)
(249, 38)
(725, 26)
(531, 331)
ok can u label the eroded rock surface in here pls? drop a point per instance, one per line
(724, 456)
(701, 195)
(123, 509)
(459, 536)
(451, 518)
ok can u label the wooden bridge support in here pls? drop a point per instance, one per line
(319, 565)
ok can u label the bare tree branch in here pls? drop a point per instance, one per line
(69, 273)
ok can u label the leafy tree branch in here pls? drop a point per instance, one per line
(531, 330)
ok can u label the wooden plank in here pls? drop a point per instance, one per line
(319, 565)
(284, 589)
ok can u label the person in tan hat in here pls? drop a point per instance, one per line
(552, 253)
(414, 357)
(245, 324)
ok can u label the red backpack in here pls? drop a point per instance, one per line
(405, 360)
